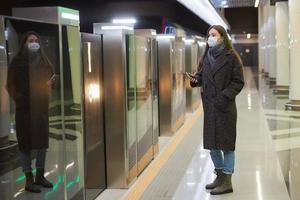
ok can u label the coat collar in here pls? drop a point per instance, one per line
(220, 62)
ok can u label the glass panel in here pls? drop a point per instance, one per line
(154, 66)
(131, 106)
(34, 107)
(194, 63)
(94, 122)
(72, 109)
(178, 93)
(144, 101)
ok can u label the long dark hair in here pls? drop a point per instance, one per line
(228, 44)
(23, 50)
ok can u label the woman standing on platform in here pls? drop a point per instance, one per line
(29, 81)
(221, 76)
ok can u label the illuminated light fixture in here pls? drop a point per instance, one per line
(89, 56)
(124, 21)
(256, 3)
(248, 35)
(116, 27)
(165, 36)
(93, 92)
(224, 2)
(153, 33)
(198, 37)
(202, 44)
(205, 10)
(6, 34)
(188, 40)
(70, 16)
(258, 184)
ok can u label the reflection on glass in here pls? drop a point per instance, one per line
(95, 174)
(155, 86)
(72, 111)
(33, 84)
(144, 100)
(131, 106)
(178, 91)
(194, 65)
(29, 82)
(93, 92)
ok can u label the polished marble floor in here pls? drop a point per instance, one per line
(57, 167)
(267, 165)
(284, 127)
(267, 154)
(258, 174)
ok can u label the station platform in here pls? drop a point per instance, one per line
(265, 143)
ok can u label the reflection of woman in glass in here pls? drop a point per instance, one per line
(29, 81)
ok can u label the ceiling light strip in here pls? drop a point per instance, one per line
(205, 10)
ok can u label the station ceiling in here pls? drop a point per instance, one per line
(149, 12)
(240, 3)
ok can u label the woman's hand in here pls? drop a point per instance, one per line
(52, 80)
(191, 77)
(50, 83)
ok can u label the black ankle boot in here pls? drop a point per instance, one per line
(29, 185)
(217, 180)
(41, 180)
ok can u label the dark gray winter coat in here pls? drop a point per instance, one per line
(221, 83)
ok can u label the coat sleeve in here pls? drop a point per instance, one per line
(237, 80)
(198, 76)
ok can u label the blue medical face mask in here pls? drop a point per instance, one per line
(33, 46)
(212, 41)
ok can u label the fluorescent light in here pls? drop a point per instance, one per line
(258, 184)
(205, 11)
(256, 3)
(165, 36)
(89, 56)
(70, 16)
(189, 40)
(224, 2)
(6, 34)
(124, 21)
(248, 35)
(116, 27)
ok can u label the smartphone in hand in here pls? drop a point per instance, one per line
(53, 77)
(191, 77)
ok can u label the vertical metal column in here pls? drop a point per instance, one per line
(119, 100)
(4, 97)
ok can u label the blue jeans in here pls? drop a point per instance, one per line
(26, 159)
(223, 160)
